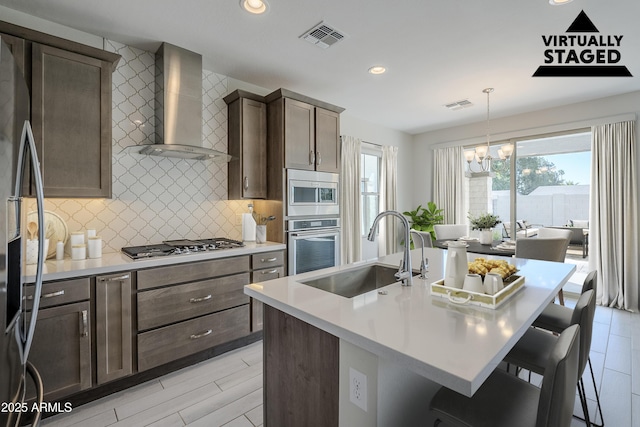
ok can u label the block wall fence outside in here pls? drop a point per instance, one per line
(556, 209)
(156, 198)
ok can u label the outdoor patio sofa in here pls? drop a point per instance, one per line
(523, 229)
(579, 234)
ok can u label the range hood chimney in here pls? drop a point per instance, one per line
(178, 106)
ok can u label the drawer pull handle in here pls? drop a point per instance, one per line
(204, 334)
(194, 300)
(51, 295)
(246, 183)
(114, 279)
(312, 157)
(319, 159)
(274, 271)
(269, 259)
(85, 325)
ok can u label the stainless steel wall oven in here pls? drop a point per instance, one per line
(313, 244)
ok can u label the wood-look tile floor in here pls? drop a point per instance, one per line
(227, 390)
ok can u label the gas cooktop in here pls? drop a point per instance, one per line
(180, 247)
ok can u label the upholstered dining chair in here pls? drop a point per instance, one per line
(533, 350)
(505, 400)
(556, 318)
(426, 237)
(545, 249)
(450, 231)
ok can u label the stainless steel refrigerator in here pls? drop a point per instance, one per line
(18, 162)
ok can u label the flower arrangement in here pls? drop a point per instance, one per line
(483, 221)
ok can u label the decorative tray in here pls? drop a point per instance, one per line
(512, 284)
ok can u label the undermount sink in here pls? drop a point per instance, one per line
(356, 281)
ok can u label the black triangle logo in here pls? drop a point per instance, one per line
(582, 24)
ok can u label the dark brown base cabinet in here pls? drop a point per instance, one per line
(97, 335)
(301, 369)
(114, 356)
(187, 308)
(265, 266)
(61, 349)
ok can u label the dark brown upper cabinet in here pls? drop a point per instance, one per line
(247, 133)
(70, 87)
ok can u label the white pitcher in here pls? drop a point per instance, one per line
(456, 268)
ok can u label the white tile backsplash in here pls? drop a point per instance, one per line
(156, 198)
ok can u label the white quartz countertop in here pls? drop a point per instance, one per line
(457, 346)
(117, 262)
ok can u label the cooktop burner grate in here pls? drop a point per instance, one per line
(180, 246)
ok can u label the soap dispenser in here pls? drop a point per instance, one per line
(248, 226)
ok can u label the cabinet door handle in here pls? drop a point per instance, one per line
(200, 335)
(246, 183)
(319, 157)
(114, 279)
(268, 259)
(200, 299)
(85, 324)
(312, 157)
(51, 295)
(274, 271)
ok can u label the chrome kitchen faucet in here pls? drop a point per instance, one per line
(404, 273)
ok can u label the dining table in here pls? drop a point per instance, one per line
(497, 247)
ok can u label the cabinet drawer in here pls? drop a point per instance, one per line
(183, 273)
(173, 342)
(62, 292)
(267, 259)
(162, 306)
(267, 274)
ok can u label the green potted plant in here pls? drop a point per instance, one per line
(423, 219)
(485, 223)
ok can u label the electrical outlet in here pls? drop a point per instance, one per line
(238, 219)
(358, 389)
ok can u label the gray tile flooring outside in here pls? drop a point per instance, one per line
(227, 390)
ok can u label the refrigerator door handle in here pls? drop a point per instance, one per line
(27, 138)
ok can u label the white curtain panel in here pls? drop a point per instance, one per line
(389, 200)
(351, 243)
(448, 184)
(613, 233)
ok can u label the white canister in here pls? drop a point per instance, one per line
(78, 252)
(95, 247)
(59, 250)
(91, 232)
(77, 238)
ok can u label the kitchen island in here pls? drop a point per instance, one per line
(402, 343)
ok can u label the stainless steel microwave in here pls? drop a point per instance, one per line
(312, 193)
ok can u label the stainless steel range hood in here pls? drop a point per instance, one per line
(178, 109)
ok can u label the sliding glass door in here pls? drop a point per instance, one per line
(552, 180)
(545, 182)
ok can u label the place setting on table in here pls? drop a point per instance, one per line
(496, 247)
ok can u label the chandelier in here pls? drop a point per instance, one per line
(482, 154)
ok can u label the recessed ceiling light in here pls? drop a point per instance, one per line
(254, 6)
(378, 69)
(559, 2)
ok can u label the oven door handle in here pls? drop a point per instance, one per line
(316, 233)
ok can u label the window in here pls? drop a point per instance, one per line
(369, 188)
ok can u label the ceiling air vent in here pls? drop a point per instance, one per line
(323, 35)
(458, 105)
